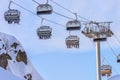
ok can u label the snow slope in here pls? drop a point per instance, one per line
(116, 77)
(6, 75)
(14, 59)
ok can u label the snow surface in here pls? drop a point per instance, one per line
(116, 77)
(19, 69)
(6, 75)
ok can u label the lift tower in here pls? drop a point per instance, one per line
(98, 31)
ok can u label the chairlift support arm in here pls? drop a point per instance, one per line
(36, 2)
(10, 4)
(42, 21)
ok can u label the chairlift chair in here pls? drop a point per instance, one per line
(103, 30)
(73, 25)
(109, 33)
(72, 41)
(44, 32)
(88, 32)
(44, 9)
(12, 15)
(118, 58)
(106, 70)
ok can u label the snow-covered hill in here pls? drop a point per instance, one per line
(14, 59)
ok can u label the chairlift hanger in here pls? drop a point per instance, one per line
(36, 2)
(10, 4)
(12, 15)
(39, 3)
(76, 18)
(42, 21)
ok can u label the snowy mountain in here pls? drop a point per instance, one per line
(116, 77)
(14, 59)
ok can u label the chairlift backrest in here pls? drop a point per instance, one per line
(12, 12)
(44, 28)
(73, 25)
(106, 67)
(72, 41)
(44, 9)
(12, 15)
(72, 37)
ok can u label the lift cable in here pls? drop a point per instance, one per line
(39, 16)
(36, 2)
(61, 6)
(54, 11)
(112, 49)
(104, 58)
(114, 68)
(63, 15)
(117, 38)
(83, 18)
(66, 16)
(107, 61)
(118, 42)
(68, 10)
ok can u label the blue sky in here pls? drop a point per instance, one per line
(51, 57)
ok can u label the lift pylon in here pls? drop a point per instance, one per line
(99, 31)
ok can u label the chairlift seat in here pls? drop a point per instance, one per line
(44, 32)
(73, 25)
(72, 41)
(106, 70)
(44, 9)
(12, 15)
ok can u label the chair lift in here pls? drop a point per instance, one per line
(101, 32)
(43, 8)
(12, 15)
(109, 33)
(88, 31)
(73, 25)
(44, 32)
(106, 70)
(72, 41)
